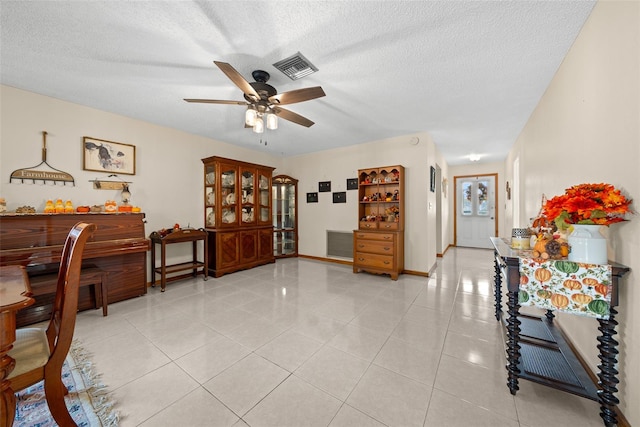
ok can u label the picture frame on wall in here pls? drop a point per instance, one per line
(312, 197)
(340, 197)
(432, 184)
(100, 155)
(324, 186)
(352, 183)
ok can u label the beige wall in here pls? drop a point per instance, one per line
(339, 164)
(168, 183)
(586, 128)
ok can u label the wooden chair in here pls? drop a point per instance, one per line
(39, 353)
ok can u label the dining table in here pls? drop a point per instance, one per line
(15, 294)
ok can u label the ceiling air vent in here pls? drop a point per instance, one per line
(295, 67)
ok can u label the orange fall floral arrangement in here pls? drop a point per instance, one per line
(600, 204)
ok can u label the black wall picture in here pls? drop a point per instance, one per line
(352, 183)
(432, 186)
(340, 197)
(324, 186)
(312, 197)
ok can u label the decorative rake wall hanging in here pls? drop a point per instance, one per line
(54, 175)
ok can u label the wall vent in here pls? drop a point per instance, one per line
(296, 67)
(340, 244)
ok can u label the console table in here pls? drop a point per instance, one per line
(177, 236)
(537, 350)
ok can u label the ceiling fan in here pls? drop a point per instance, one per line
(263, 100)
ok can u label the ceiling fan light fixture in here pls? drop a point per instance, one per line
(250, 116)
(258, 126)
(272, 121)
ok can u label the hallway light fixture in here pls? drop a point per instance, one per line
(474, 157)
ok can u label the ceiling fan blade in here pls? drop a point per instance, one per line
(292, 117)
(298, 95)
(216, 101)
(238, 80)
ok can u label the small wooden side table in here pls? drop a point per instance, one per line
(178, 236)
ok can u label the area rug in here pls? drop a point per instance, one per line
(88, 401)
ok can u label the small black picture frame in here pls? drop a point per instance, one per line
(312, 197)
(432, 185)
(352, 183)
(324, 186)
(340, 197)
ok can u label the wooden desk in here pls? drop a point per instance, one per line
(178, 236)
(14, 295)
(538, 351)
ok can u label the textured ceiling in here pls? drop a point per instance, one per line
(468, 72)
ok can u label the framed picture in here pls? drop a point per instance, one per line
(324, 186)
(340, 197)
(432, 185)
(508, 190)
(352, 183)
(108, 156)
(312, 197)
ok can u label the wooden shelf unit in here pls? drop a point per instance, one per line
(378, 244)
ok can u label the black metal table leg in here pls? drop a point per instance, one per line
(513, 337)
(608, 375)
(498, 287)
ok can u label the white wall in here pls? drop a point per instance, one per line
(339, 164)
(168, 184)
(586, 128)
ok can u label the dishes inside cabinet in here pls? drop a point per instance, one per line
(211, 219)
(211, 178)
(228, 216)
(211, 198)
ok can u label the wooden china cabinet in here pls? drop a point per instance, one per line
(378, 244)
(237, 214)
(285, 217)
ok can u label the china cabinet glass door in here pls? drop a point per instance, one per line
(285, 224)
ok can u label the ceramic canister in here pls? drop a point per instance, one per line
(520, 238)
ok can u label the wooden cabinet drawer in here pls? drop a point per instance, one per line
(391, 226)
(368, 225)
(387, 237)
(374, 247)
(374, 260)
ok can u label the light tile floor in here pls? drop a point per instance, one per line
(308, 343)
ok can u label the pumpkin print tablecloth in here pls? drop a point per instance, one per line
(572, 287)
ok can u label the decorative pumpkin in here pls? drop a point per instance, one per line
(559, 300)
(524, 279)
(543, 293)
(522, 297)
(542, 274)
(541, 244)
(581, 298)
(590, 281)
(572, 284)
(599, 306)
(564, 249)
(568, 267)
(601, 289)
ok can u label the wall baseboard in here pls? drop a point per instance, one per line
(345, 262)
(444, 252)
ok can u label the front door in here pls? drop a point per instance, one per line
(475, 211)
